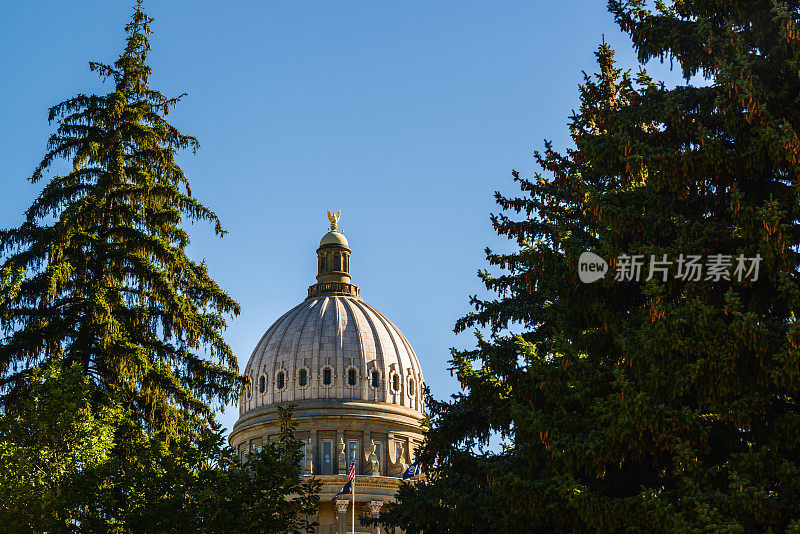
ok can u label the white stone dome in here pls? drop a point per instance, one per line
(342, 335)
(333, 346)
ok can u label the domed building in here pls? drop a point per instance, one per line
(357, 384)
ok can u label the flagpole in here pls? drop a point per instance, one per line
(354, 504)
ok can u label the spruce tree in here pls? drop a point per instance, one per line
(660, 405)
(108, 284)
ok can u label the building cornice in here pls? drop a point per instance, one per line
(332, 410)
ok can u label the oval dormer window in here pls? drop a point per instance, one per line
(396, 383)
(303, 378)
(262, 384)
(326, 376)
(374, 379)
(281, 380)
(351, 377)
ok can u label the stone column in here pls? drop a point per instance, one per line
(375, 510)
(341, 514)
(390, 448)
(308, 461)
(390, 459)
(341, 454)
(365, 450)
(316, 461)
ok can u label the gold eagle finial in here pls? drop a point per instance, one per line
(334, 218)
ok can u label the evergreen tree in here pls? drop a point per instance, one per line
(660, 405)
(105, 416)
(108, 284)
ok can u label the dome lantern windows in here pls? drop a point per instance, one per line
(330, 262)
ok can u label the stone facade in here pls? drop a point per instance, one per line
(357, 384)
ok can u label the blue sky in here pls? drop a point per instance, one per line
(406, 116)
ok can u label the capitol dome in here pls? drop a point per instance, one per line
(354, 379)
(333, 347)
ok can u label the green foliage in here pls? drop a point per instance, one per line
(108, 283)
(10, 281)
(59, 472)
(658, 406)
(267, 494)
(51, 437)
(199, 485)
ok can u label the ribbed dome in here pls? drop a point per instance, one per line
(340, 334)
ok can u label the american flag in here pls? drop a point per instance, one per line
(351, 476)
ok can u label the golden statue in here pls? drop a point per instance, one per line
(334, 219)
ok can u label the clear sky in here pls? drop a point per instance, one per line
(406, 116)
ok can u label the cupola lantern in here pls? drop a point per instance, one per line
(333, 263)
